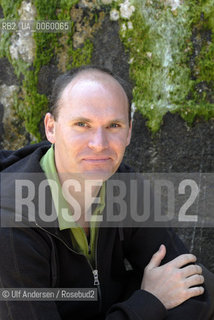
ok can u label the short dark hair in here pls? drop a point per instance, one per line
(63, 80)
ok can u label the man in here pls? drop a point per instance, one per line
(89, 128)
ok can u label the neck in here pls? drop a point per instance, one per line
(80, 192)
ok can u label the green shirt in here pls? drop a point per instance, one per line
(78, 236)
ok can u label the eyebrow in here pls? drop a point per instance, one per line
(82, 119)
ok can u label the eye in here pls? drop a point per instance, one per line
(81, 124)
(114, 125)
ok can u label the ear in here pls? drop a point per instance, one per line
(49, 123)
(129, 134)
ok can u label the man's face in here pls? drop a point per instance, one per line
(92, 129)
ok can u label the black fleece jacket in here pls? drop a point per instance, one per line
(34, 256)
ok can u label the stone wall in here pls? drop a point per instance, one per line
(173, 128)
(177, 148)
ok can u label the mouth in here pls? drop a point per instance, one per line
(98, 160)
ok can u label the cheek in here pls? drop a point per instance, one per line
(121, 139)
(118, 144)
(72, 138)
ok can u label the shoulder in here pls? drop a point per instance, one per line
(23, 159)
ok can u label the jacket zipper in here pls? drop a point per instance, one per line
(89, 249)
(94, 271)
(96, 275)
(96, 278)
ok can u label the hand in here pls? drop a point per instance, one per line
(171, 283)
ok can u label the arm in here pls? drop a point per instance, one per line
(174, 282)
(141, 305)
(140, 255)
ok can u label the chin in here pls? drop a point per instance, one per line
(97, 174)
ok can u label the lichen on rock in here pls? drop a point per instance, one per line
(75, 49)
(22, 42)
(84, 25)
(173, 3)
(126, 9)
(13, 136)
(169, 60)
(158, 37)
(114, 14)
(7, 98)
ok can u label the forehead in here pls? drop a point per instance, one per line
(89, 83)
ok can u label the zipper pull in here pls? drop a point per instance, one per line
(96, 279)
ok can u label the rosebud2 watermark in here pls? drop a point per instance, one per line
(48, 294)
(144, 200)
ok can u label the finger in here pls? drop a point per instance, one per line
(183, 259)
(157, 257)
(194, 280)
(191, 270)
(194, 292)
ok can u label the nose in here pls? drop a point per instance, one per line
(98, 140)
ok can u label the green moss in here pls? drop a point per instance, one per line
(10, 8)
(156, 44)
(160, 47)
(208, 11)
(81, 56)
(29, 104)
(205, 59)
(46, 9)
(10, 11)
(65, 7)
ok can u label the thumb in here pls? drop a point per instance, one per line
(157, 257)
